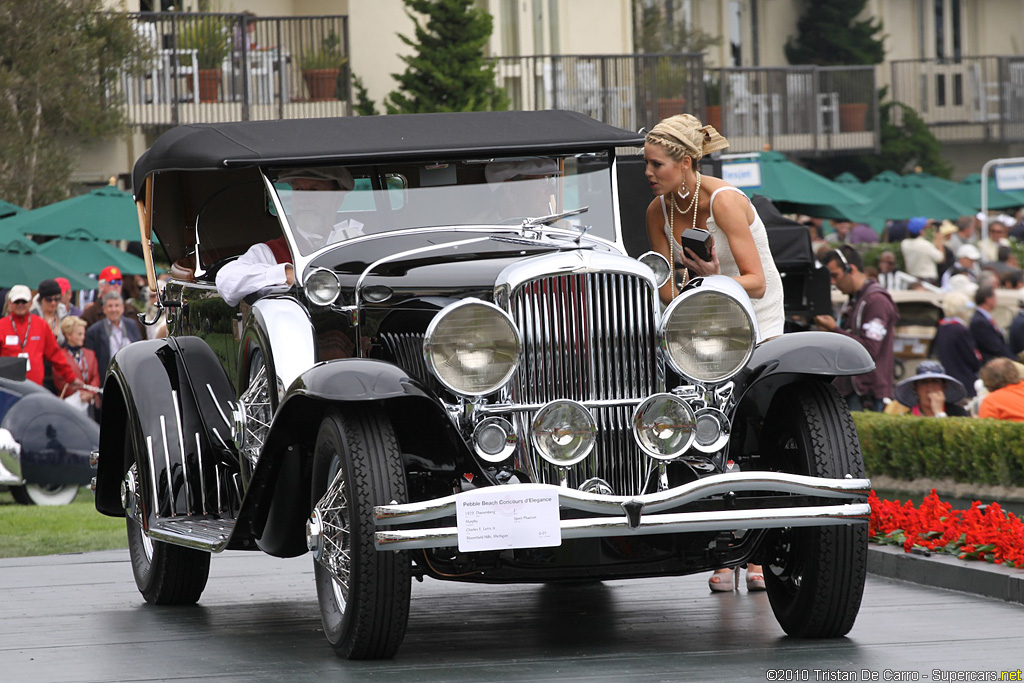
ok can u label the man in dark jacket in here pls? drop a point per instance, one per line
(869, 317)
(111, 333)
(986, 333)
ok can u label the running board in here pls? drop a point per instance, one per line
(211, 535)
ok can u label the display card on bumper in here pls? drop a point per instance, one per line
(495, 519)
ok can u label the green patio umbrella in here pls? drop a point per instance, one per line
(847, 178)
(108, 213)
(896, 197)
(969, 192)
(796, 189)
(80, 249)
(21, 264)
(7, 209)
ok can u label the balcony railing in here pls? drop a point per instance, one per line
(233, 67)
(802, 110)
(965, 100)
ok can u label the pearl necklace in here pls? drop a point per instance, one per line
(672, 232)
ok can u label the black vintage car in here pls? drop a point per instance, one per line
(470, 380)
(45, 444)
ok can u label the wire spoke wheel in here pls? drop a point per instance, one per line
(363, 593)
(165, 574)
(256, 402)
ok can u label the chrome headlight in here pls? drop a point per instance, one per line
(472, 347)
(708, 332)
(322, 287)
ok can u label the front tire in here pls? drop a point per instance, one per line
(45, 495)
(814, 576)
(364, 601)
(165, 574)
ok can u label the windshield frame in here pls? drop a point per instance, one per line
(452, 194)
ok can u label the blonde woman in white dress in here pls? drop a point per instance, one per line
(684, 198)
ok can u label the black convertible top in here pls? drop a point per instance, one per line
(361, 138)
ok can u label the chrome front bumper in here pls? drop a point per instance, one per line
(629, 515)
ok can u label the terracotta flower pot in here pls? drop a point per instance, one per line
(670, 106)
(322, 83)
(209, 85)
(853, 117)
(714, 114)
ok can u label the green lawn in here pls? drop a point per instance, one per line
(27, 530)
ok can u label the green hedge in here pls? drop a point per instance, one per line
(962, 449)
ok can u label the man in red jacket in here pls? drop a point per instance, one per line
(28, 336)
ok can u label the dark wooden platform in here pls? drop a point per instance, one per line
(80, 618)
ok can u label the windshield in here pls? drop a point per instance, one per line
(327, 205)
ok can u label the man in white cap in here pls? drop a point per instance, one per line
(26, 335)
(967, 257)
(316, 194)
(523, 187)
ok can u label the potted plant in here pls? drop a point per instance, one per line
(321, 68)
(671, 79)
(208, 36)
(713, 97)
(855, 87)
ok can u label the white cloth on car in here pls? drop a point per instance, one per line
(254, 271)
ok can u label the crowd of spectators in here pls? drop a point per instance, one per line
(67, 349)
(971, 272)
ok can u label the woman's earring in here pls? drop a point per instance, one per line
(683, 197)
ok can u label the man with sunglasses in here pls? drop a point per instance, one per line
(869, 317)
(25, 335)
(111, 280)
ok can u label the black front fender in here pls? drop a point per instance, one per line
(277, 502)
(789, 358)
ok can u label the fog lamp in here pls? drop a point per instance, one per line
(712, 430)
(564, 432)
(664, 426)
(494, 439)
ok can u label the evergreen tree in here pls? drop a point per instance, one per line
(448, 71)
(828, 34)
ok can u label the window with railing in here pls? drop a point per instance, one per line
(222, 67)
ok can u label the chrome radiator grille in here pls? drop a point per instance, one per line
(589, 337)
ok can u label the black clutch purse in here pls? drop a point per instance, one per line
(697, 241)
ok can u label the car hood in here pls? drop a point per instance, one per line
(439, 260)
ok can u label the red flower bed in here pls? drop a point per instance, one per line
(984, 532)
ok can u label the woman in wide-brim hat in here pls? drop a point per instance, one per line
(931, 392)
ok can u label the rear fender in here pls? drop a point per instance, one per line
(180, 431)
(278, 503)
(784, 360)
